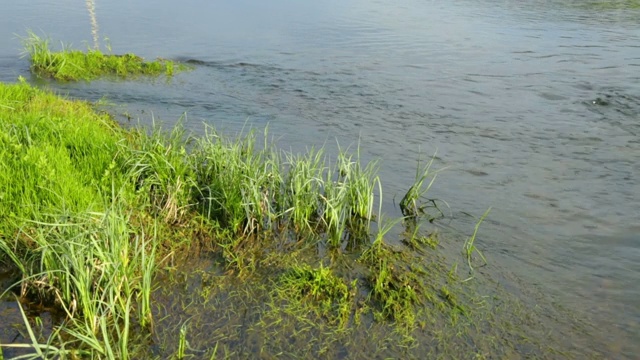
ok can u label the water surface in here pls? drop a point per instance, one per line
(533, 107)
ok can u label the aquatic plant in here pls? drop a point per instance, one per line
(360, 185)
(607, 5)
(414, 204)
(74, 65)
(160, 168)
(325, 293)
(416, 240)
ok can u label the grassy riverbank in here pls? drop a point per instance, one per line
(73, 65)
(91, 211)
(149, 243)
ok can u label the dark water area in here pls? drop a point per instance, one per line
(533, 107)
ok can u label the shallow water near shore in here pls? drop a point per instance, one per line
(534, 108)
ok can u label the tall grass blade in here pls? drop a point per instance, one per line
(469, 246)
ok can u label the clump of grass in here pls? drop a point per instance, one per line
(414, 204)
(609, 5)
(95, 270)
(359, 184)
(74, 65)
(161, 169)
(395, 289)
(303, 184)
(326, 294)
(399, 281)
(469, 246)
(238, 185)
(251, 192)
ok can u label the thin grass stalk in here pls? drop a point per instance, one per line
(469, 246)
(182, 342)
(148, 266)
(409, 205)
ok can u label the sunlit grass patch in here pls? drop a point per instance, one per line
(92, 211)
(254, 193)
(161, 172)
(56, 154)
(303, 185)
(73, 65)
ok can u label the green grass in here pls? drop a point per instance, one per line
(90, 211)
(319, 290)
(469, 246)
(101, 222)
(73, 65)
(414, 204)
(56, 155)
(302, 186)
(66, 219)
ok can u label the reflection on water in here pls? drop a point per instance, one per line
(534, 106)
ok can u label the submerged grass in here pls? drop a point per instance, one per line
(319, 290)
(94, 217)
(74, 65)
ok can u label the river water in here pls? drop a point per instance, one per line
(533, 108)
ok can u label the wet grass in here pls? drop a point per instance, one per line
(290, 315)
(469, 248)
(91, 211)
(414, 204)
(74, 65)
(108, 229)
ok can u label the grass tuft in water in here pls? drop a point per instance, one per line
(414, 204)
(324, 293)
(74, 65)
(469, 246)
